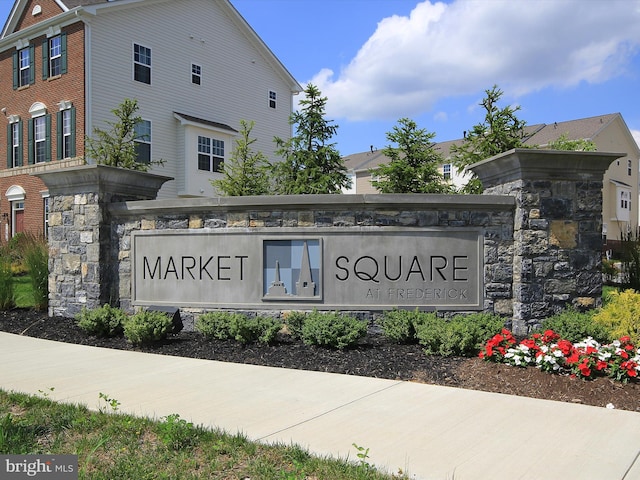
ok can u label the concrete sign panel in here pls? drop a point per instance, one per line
(282, 268)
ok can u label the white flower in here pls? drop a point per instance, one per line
(610, 405)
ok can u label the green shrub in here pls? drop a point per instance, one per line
(621, 315)
(216, 325)
(147, 327)
(255, 329)
(294, 322)
(229, 325)
(7, 298)
(575, 326)
(462, 335)
(106, 321)
(35, 254)
(400, 325)
(332, 330)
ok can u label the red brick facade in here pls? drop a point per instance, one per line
(16, 103)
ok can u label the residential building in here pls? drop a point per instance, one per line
(195, 68)
(609, 133)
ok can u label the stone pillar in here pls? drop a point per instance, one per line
(80, 250)
(557, 228)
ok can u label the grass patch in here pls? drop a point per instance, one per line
(114, 445)
(23, 291)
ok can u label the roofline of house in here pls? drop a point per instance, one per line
(72, 15)
(66, 18)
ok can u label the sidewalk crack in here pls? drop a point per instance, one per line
(315, 417)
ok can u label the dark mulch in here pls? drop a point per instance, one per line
(374, 357)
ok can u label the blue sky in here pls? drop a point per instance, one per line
(381, 60)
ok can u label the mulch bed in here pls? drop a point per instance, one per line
(374, 356)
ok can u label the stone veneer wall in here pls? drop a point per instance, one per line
(494, 214)
(541, 218)
(557, 259)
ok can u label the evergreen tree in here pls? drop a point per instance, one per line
(501, 130)
(310, 163)
(414, 165)
(246, 172)
(116, 147)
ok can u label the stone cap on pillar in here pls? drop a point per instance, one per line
(120, 182)
(536, 164)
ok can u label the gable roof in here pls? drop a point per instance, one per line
(535, 135)
(94, 7)
(190, 119)
(580, 129)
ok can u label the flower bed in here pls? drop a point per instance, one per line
(619, 360)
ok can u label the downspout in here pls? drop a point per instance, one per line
(87, 79)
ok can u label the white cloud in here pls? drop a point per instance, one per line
(442, 50)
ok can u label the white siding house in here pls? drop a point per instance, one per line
(206, 71)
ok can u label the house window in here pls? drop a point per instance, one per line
(629, 167)
(66, 120)
(14, 144)
(141, 64)
(196, 74)
(24, 76)
(446, 171)
(40, 139)
(210, 154)
(142, 140)
(272, 99)
(54, 56)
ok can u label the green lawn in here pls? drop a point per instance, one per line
(113, 445)
(23, 291)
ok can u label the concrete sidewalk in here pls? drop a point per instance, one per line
(431, 432)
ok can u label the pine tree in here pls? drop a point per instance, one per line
(414, 165)
(116, 147)
(310, 163)
(246, 172)
(501, 130)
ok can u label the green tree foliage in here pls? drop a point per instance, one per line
(246, 172)
(501, 130)
(116, 146)
(414, 162)
(310, 163)
(580, 145)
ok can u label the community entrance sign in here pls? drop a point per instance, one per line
(284, 268)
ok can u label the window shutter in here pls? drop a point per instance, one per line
(32, 64)
(16, 70)
(59, 136)
(45, 59)
(19, 160)
(72, 149)
(30, 156)
(47, 148)
(9, 147)
(63, 53)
